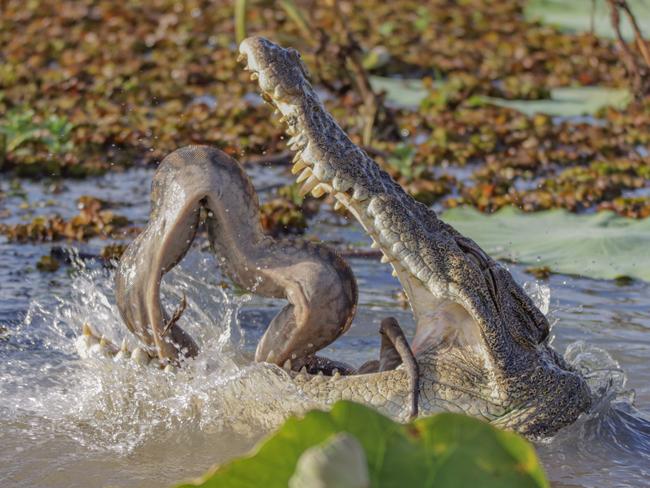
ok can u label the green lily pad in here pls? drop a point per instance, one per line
(601, 245)
(566, 102)
(403, 92)
(445, 450)
(570, 101)
(576, 15)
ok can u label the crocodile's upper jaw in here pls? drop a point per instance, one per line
(282, 77)
(464, 303)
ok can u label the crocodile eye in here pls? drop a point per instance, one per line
(298, 58)
(484, 264)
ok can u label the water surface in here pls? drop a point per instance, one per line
(66, 422)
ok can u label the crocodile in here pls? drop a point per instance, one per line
(481, 346)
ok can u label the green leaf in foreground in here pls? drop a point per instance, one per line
(601, 245)
(576, 16)
(445, 450)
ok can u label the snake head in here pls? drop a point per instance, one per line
(280, 71)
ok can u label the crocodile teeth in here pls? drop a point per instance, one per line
(295, 140)
(385, 259)
(267, 98)
(241, 58)
(170, 368)
(86, 342)
(105, 345)
(304, 175)
(394, 273)
(291, 131)
(342, 197)
(309, 185)
(319, 191)
(254, 76)
(338, 205)
(101, 348)
(374, 245)
(336, 374)
(86, 330)
(123, 353)
(303, 370)
(140, 356)
(298, 166)
(322, 172)
(287, 365)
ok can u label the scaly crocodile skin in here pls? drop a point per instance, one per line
(481, 344)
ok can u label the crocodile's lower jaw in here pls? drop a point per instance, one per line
(386, 391)
(89, 346)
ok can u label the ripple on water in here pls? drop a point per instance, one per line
(67, 422)
(610, 444)
(49, 397)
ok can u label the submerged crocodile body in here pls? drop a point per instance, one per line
(481, 345)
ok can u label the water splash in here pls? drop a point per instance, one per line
(613, 429)
(112, 405)
(540, 294)
(63, 419)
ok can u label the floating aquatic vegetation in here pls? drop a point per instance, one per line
(41, 141)
(281, 216)
(574, 188)
(602, 245)
(570, 101)
(635, 207)
(94, 220)
(585, 16)
(287, 211)
(124, 91)
(113, 251)
(539, 272)
(48, 264)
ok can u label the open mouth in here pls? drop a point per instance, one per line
(442, 318)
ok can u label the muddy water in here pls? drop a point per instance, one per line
(66, 422)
